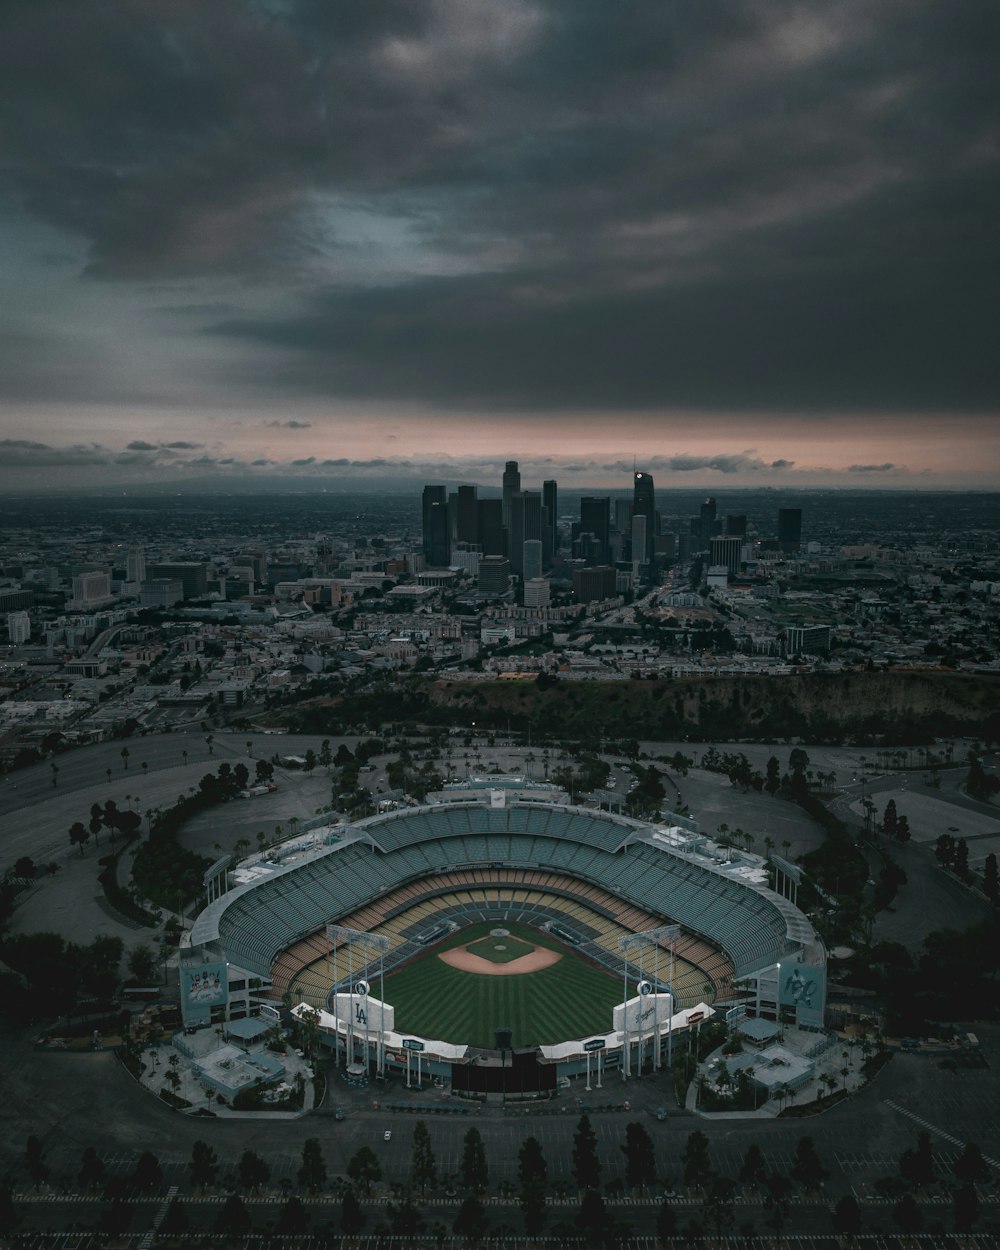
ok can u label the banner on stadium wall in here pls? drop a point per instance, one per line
(204, 986)
(803, 986)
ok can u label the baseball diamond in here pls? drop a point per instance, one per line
(500, 890)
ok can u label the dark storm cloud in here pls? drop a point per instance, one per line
(20, 453)
(743, 462)
(740, 205)
(289, 425)
(139, 445)
(871, 468)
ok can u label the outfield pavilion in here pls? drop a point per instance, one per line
(501, 852)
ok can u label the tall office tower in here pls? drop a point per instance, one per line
(736, 526)
(644, 505)
(595, 518)
(467, 515)
(537, 593)
(437, 536)
(432, 495)
(727, 550)
(525, 523)
(490, 522)
(135, 564)
(550, 504)
(623, 516)
(92, 587)
(531, 560)
(494, 575)
(18, 627)
(789, 528)
(594, 584)
(638, 544)
(708, 514)
(511, 485)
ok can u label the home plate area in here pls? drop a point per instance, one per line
(499, 955)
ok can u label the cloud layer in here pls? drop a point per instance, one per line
(554, 207)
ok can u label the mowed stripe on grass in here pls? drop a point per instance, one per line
(567, 1000)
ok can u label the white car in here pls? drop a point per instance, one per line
(387, 1135)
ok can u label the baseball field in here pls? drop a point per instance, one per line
(570, 998)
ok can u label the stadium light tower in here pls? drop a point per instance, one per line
(369, 945)
(638, 944)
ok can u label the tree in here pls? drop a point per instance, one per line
(364, 1168)
(91, 1169)
(25, 869)
(847, 1216)
(697, 1166)
(773, 782)
(776, 1198)
(470, 1222)
(592, 1219)
(252, 1171)
(142, 965)
(717, 1205)
(798, 762)
(903, 834)
(807, 1169)
(293, 1219)
(640, 1159)
(147, 1174)
(531, 1173)
(970, 1166)
(234, 1219)
(917, 1166)
(474, 1169)
(175, 1222)
(125, 754)
(907, 1214)
(352, 1218)
(666, 1221)
(423, 1167)
(753, 1169)
(204, 1165)
(991, 881)
(890, 819)
(312, 1173)
(965, 1208)
(961, 864)
(79, 835)
(586, 1165)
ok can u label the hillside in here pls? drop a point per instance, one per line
(901, 706)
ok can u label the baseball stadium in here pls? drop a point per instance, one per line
(496, 940)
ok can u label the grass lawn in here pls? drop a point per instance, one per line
(570, 999)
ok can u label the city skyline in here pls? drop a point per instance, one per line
(342, 244)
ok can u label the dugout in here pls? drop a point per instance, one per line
(516, 1072)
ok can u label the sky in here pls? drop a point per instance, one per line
(738, 242)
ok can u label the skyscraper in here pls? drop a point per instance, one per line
(789, 528)
(736, 525)
(595, 518)
(708, 513)
(511, 485)
(467, 516)
(435, 526)
(490, 517)
(644, 505)
(525, 524)
(550, 504)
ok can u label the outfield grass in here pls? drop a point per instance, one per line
(570, 999)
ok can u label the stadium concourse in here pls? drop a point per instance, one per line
(686, 927)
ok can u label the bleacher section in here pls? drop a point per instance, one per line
(636, 885)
